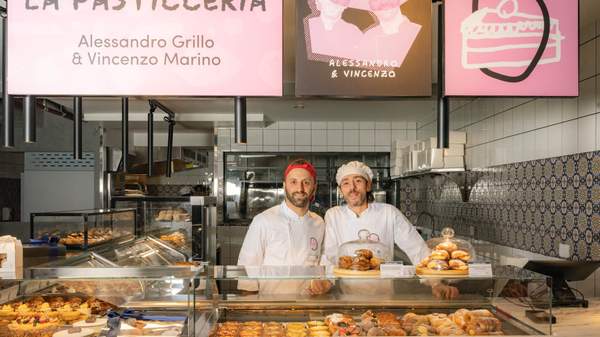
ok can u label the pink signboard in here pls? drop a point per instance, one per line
(150, 48)
(511, 48)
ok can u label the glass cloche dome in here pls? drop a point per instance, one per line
(363, 254)
(447, 254)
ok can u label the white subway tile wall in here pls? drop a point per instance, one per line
(320, 136)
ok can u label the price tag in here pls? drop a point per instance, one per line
(480, 270)
(396, 270)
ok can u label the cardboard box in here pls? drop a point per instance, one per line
(455, 150)
(454, 162)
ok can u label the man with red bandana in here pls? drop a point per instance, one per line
(287, 234)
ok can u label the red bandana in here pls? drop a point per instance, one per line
(306, 166)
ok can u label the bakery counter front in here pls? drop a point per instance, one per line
(82, 301)
(284, 302)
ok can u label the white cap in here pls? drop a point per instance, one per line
(354, 167)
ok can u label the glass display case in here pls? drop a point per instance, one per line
(70, 302)
(386, 305)
(145, 252)
(142, 252)
(83, 229)
(166, 218)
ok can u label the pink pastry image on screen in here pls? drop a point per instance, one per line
(506, 37)
(328, 35)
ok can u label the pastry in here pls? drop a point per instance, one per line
(471, 315)
(460, 254)
(320, 333)
(334, 321)
(315, 323)
(439, 255)
(422, 330)
(176, 239)
(411, 319)
(424, 262)
(68, 314)
(483, 325)
(448, 246)
(345, 262)
(387, 318)
(437, 265)
(457, 264)
(365, 253)
(393, 330)
(349, 330)
(459, 318)
(7, 313)
(376, 331)
(56, 302)
(37, 325)
(24, 310)
(375, 263)
(360, 263)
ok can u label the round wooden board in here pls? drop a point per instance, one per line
(355, 273)
(441, 273)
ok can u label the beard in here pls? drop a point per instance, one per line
(358, 199)
(298, 199)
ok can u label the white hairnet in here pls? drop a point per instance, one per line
(354, 167)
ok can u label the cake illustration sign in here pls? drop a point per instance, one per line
(363, 47)
(511, 48)
(145, 48)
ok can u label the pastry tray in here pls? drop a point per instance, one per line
(355, 273)
(426, 272)
(510, 325)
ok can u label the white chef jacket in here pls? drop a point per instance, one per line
(385, 223)
(279, 237)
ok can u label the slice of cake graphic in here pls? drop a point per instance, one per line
(504, 37)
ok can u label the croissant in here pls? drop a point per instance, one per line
(457, 264)
(459, 318)
(439, 255)
(485, 324)
(364, 252)
(422, 330)
(345, 262)
(451, 331)
(411, 319)
(472, 315)
(393, 330)
(460, 254)
(448, 246)
(437, 265)
(424, 262)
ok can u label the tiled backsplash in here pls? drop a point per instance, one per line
(533, 205)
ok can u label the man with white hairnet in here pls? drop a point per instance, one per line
(383, 222)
